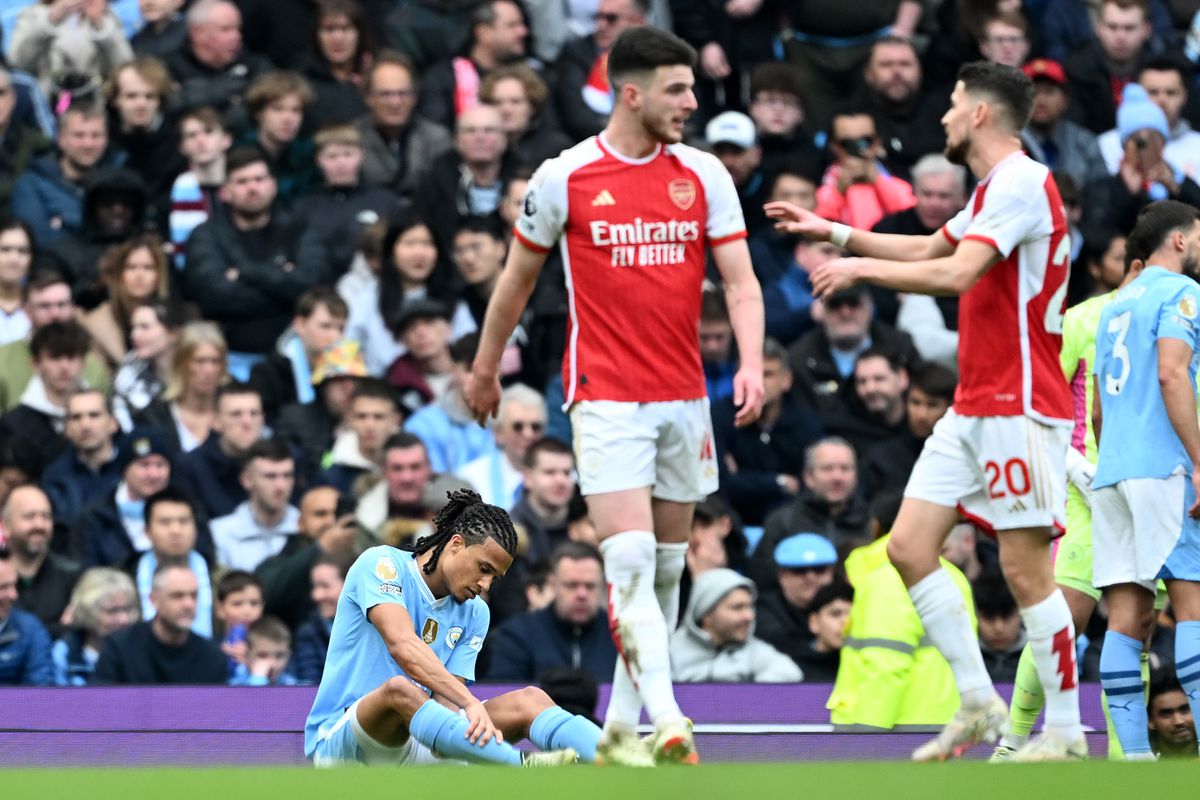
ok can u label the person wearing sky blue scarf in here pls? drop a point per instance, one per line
(407, 632)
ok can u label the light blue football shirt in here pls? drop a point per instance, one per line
(359, 662)
(1136, 437)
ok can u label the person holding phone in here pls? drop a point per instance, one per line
(857, 189)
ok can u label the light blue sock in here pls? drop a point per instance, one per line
(1121, 677)
(1187, 662)
(556, 728)
(445, 733)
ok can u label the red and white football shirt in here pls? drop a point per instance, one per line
(633, 235)
(1010, 322)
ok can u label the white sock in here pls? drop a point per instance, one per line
(1052, 641)
(948, 625)
(639, 629)
(625, 704)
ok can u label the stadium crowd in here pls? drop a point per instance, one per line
(247, 246)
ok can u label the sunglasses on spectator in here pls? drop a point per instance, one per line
(808, 570)
(534, 427)
(608, 18)
(843, 302)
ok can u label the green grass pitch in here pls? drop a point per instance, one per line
(827, 781)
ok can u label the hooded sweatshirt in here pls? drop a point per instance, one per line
(696, 659)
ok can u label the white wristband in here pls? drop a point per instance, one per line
(840, 234)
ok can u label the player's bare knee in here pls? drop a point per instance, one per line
(534, 700)
(402, 697)
(907, 558)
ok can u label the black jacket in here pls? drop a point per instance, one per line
(781, 625)
(274, 381)
(38, 430)
(760, 456)
(248, 281)
(542, 141)
(154, 155)
(338, 215)
(213, 478)
(807, 514)
(444, 186)
(542, 538)
(570, 75)
(909, 132)
(336, 102)
(309, 428)
(859, 426)
(311, 647)
(162, 46)
(817, 667)
(136, 656)
(817, 381)
(224, 89)
(98, 539)
(47, 593)
(1109, 205)
(286, 581)
(889, 463)
(1089, 83)
(527, 645)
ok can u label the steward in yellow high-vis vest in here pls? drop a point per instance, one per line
(891, 675)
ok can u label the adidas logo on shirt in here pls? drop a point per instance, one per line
(605, 198)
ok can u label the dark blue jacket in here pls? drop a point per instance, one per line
(213, 478)
(71, 485)
(527, 645)
(98, 539)
(311, 646)
(52, 205)
(25, 652)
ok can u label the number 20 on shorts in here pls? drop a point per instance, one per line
(1013, 477)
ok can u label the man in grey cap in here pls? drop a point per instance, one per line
(716, 642)
(734, 139)
(804, 563)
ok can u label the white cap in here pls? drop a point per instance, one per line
(731, 127)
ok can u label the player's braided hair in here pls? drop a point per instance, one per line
(474, 520)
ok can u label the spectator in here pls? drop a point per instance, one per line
(312, 637)
(336, 64)
(961, 550)
(1097, 72)
(134, 272)
(1001, 633)
(468, 180)
(714, 542)
(54, 40)
(103, 602)
(163, 650)
(717, 353)
(1165, 80)
(827, 616)
(16, 256)
(398, 144)
(828, 504)
(857, 189)
(805, 563)
(138, 95)
(876, 409)
(311, 428)
(114, 209)
(20, 140)
(1049, 137)
(154, 331)
(582, 91)
(268, 651)
(172, 532)
(25, 645)
(549, 485)
(1145, 175)
(213, 69)
(822, 360)
(261, 525)
(247, 267)
(394, 509)
(908, 118)
(164, 31)
(213, 471)
(774, 253)
(571, 632)
(57, 351)
(1004, 39)
(424, 372)
(498, 474)
(733, 137)
(890, 674)
(1172, 726)
(323, 534)
(343, 205)
(285, 376)
(1103, 260)
(112, 527)
(497, 37)
(19, 464)
(757, 463)
(478, 249)
(887, 465)
(239, 605)
(1068, 25)
(358, 451)
(777, 108)
(46, 298)
(716, 643)
(187, 408)
(450, 433)
(90, 467)
(521, 98)
(44, 578)
(277, 102)
(49, 194)
(195, 194)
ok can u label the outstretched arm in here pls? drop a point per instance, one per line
(791, 218)
(948, 275)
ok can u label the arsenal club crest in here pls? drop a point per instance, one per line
(430, 630)
(682, 193)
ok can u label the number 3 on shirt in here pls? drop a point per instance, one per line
(1055, 308)
(1113, 384)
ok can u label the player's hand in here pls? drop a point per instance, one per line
(747, 396)
(480, 728)
(791, 218)
(482, 394)
(834, 276)
(739, 9)
(1194, 511)
(1080, 473)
